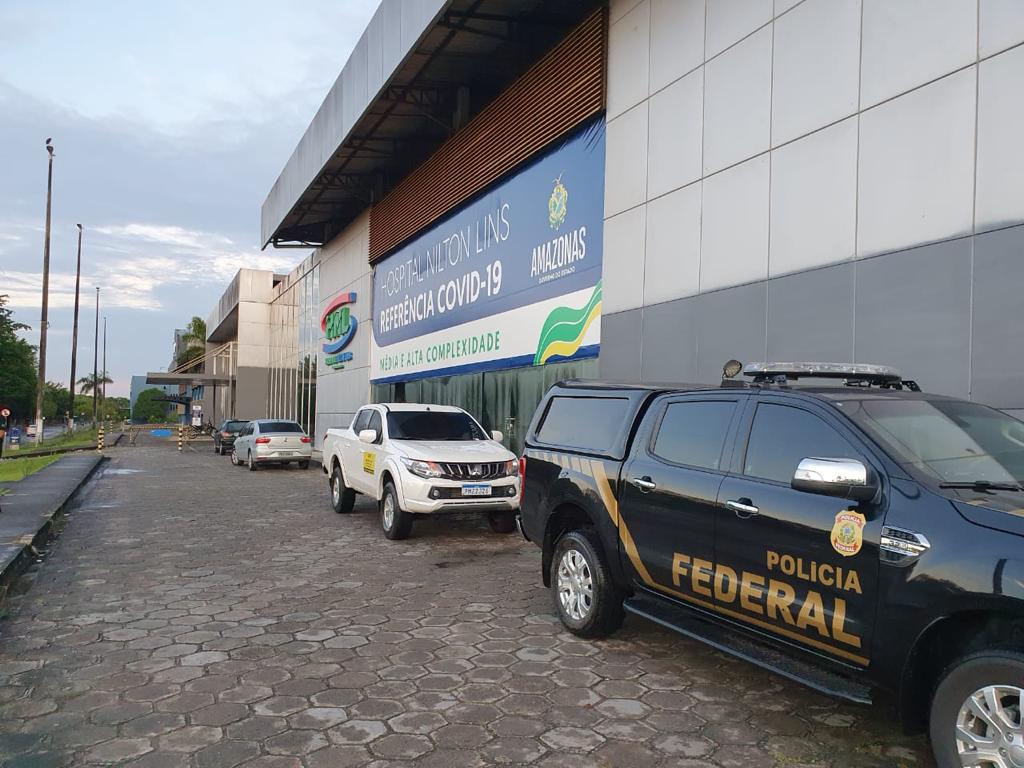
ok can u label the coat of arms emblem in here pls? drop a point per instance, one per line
(558, 204)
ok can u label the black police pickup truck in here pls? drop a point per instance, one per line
(858, 536)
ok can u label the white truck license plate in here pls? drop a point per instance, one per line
(476, 489)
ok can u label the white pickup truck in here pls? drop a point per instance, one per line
(421, 460)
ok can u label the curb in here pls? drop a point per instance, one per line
(20, 563)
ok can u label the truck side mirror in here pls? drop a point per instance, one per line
(497, 435)
(843, 478)
(368, 436)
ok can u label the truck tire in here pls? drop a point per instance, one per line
(588, 601)
(343, 498)
(251, 463)
(502, 522)
(963, 704)
(396, 522)
(303, 465)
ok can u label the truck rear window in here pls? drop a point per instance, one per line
(589, 423)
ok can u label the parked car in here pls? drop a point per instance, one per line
(271, 441)
(224, 436)
(421, 460)
(857, 537)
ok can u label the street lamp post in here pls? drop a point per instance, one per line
(41, 386)
(103, 397)
(95, 358)
(74, 333)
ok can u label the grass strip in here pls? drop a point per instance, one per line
(13, 470)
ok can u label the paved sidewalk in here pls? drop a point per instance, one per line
(196, 615)
(28, 508)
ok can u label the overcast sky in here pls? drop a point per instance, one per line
(171, 121)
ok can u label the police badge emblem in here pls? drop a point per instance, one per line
(848, 533)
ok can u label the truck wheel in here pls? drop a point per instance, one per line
(343, 498)
(976, 711)
(234, 458)
(396, 522)
(303, 465)
(251, 463)
(588, 602)
(502, 522)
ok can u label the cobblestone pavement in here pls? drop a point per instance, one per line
(195, 614)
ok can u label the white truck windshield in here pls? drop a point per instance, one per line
(433, 425)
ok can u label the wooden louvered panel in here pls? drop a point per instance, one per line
(559, 92)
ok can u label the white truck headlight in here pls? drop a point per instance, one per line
(425, 469)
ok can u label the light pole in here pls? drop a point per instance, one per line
(41, 386)
(103, 397)
(74, 334)
(95, 357)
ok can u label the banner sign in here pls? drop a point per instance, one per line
(513, 278)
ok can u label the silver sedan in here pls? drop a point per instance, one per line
(272, 441)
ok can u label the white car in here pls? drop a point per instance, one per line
(272, 441)
(421, 460)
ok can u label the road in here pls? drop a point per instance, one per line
(194, 614)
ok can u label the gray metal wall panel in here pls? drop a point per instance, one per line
(669, 335)
(810, 315)
(621, 334)
(353, 84)
(997, 331)
(913, 312)
(912, 309)
(729, 324)
(891, 129)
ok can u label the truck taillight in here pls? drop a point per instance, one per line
(262, 440)
(305, 439)
(522, 476)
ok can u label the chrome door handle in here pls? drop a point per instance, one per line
(742, 507)
(645, 484)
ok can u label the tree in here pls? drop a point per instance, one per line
(195, 342)
(17, 366)
(148, 406)
(115, 408)
(86, 384)
(55, 401)
(83, 407)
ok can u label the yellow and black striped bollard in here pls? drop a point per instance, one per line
(181, 436)
(99, 440)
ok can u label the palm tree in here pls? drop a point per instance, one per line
(86, 384)
(195, 341)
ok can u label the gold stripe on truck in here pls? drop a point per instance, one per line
(606, 492)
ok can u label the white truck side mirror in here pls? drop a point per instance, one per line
(368, 436)
(497, 435)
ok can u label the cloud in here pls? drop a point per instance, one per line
(166, 235)
(140, 265)
(170, 125)
(181, 69)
